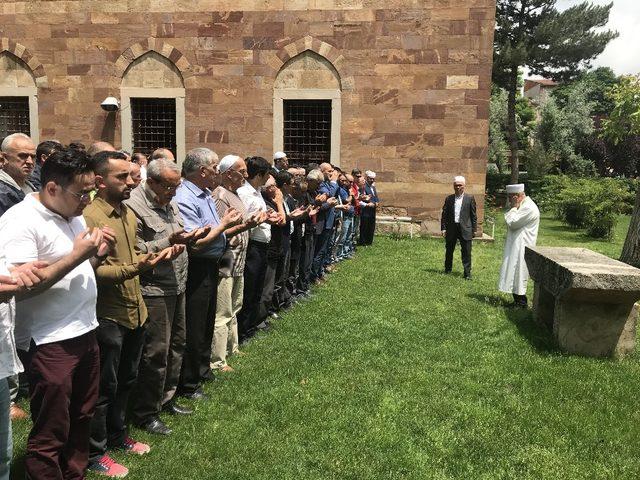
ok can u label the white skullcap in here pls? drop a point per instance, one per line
(279, 155)
(459, 179)
(227, 162)
(515, 188)
(370, 174)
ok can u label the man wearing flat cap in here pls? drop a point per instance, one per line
(459, 222)
(522, 221)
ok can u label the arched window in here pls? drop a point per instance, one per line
(307, 109)
(18, 98)
(152, 106)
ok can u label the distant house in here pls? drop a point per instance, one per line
(538, 90)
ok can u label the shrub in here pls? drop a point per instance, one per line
(593, 204)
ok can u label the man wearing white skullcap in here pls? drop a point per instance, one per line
(522, 221)
(459, 222)
(280, 161)
(233, 173)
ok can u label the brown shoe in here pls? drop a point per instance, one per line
(17, 413)
(227, 369)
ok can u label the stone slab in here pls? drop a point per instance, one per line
(564, 268)
(587, 299)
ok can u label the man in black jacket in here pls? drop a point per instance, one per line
(459, 221)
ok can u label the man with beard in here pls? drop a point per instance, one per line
(120, 309)
(523, 220)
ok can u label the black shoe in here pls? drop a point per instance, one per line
(447, 271)
(197, 395)
(155, 426)
(174, 409)
(467, 277)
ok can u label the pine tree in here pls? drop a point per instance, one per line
(553, 44)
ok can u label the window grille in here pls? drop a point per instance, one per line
(307, 131)
(14, 116)
(154, 124)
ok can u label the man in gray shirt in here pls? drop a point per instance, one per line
(163, 289)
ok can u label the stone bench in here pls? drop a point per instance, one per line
(586, 298)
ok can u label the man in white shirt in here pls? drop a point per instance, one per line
(58, 318)
(259, 237)
(19, 280)
(523, 219)
(459, 223)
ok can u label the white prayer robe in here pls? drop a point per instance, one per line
(522, 231)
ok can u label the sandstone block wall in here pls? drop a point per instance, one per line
(414, 76)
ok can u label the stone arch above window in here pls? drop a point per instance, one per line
(153, 45)
(18, 53)
(322, 49)
(152, 97)
(308, 70)
(307, 102)
(14, 73)
(152, 70)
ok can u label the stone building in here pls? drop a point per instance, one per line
(397, 86)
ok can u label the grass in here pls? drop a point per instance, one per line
(397, 371)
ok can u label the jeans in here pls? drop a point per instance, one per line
(6, 442)
(320, 252)
(344, 240)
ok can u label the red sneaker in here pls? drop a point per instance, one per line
(108, 467)
(132, 446)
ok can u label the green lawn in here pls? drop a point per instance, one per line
(395, 370)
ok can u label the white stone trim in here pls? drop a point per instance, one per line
(127, 93)
(279, 95)
(32, 93)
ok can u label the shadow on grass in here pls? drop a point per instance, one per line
(562, 228)
(539, 337)
(440, 271)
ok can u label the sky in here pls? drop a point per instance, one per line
(623, 53)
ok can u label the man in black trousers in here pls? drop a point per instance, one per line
(459, 221)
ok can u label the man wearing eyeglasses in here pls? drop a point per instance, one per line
(57, 321)
(160, 225)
